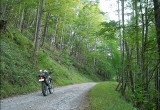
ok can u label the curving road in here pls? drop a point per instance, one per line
(64, 98)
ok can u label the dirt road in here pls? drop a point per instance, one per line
(64, 98)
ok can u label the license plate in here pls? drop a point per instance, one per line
(41, 79)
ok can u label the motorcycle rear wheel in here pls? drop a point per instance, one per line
(44, 89)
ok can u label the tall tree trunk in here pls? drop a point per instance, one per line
(137, 36)
(120, 42)
(39, 31)
(146, 40)
(143, 44)
(157, 21)
(157, 87)
(129, 66)
(123, 73)
(45, 29)
(95, 49)
(35, 33)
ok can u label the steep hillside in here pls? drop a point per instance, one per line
(19, 74)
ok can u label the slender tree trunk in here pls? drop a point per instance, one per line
(123, 73)
(137, 37)
(129, 66)
(61, 43)
(24, 19)
(70, 35)
(32, 22)
(71, 52)
(79, 53)
(35, 33)
(157, 21)
(118, 85)
(146, 39)
(147, 79)
(17, 21)
(55, 32)
(29, 19)
(4, 9)
(120, 41)
(52, 40)
(143, 44)
(21, 20)
(39, 31)
(157, 81)
(95, 48)
(45, 29)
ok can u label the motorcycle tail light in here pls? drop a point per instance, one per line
(41, 79)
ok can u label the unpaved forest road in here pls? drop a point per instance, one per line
(64, 98)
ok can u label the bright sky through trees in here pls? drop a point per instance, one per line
(110, 7)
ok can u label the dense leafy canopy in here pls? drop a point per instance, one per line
(126, 50)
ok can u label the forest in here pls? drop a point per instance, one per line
(78, 33)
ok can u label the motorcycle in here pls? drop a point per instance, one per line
(47, 85)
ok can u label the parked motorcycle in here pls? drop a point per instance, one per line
(47, 85)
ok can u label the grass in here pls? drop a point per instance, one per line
(19, 75)
(104, 97)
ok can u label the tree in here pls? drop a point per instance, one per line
(35, 33)
(39, 31)
(157, 22)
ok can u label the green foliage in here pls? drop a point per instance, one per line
(139, 98)
(104, 97)
(18, 72)
(109, 29)
(82, 48)
(19, 38)
(66, 59)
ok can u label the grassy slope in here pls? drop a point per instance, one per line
(18, 73)
(104, 97)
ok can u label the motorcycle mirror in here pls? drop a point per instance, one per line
(45, 71)
(40, 71)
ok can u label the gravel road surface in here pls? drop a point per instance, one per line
(64, 98)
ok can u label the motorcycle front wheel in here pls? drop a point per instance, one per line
(44, 89)
(51, 89)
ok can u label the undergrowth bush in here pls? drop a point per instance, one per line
(16, 70)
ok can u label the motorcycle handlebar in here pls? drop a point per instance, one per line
(46, 72)
(51, 73)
